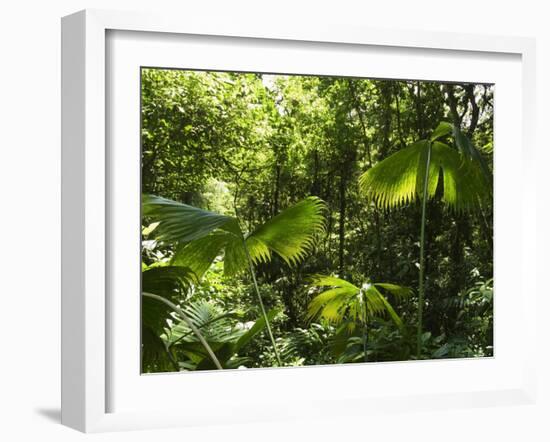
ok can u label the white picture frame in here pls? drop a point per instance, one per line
(87, 354)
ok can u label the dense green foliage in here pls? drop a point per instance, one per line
(275, 206)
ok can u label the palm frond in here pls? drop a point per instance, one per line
(344, 300)
(167, 280)
(171, 282)
(398, 180)
(397, 290)
(291, 233)
(330, 296)
(465, 183)
(393, 181)
(388, 307)
(234, 260)
(199, 255)
(155, 356)
(179, 222)
(203, 235)
(331, 281)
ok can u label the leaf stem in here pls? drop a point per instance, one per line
(421, 286)
(192, 326)
(252, 273)
(365, 341)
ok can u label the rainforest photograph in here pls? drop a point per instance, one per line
(303, 220)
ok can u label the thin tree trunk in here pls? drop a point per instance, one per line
(475, 109)
(462, 226)
(421, 284)
(398, 116)
(365, 343)
(419, 113)
(277, 190)
(369, 157)
(342, 227)
(365, 335)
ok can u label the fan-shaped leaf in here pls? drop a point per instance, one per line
(171, 282)
(331, 281)
(394, 289)
(344, 299)
(399, 179)
(291, 233)
(393, 181)
(387, 306)
(199, 255)
(183, 223)
(167, 281)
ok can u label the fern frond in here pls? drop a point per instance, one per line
(211, 320)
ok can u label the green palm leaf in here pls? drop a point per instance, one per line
(291, 233)
(199, 255)
(183, 223)
(399, 179)
(202, 236)
(167, 280)
(172, 283)
(417, 171)
(344, 300)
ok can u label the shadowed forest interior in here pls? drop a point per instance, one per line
(293, 220)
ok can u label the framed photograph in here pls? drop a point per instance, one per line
(275, 223)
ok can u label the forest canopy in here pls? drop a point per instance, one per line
(302, 220)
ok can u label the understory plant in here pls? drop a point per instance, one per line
(341, 300)
(418, 171)
(200, 236)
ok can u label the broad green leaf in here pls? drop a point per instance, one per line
(179, 222)
(399, 179)
(291, 233)
(258, 326)
(395, 289)
(203, 235)
(345, 300)
(199, 255)
(168, 281)
(230, 349)
(441, 130)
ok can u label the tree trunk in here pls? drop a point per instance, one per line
(275, 209)
(421, 282)
(357, 107)
(342, 223)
